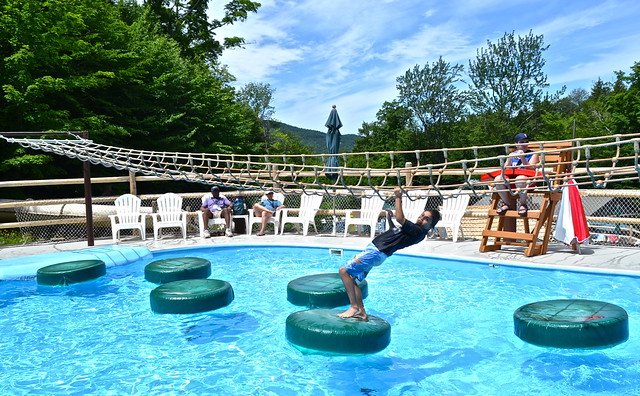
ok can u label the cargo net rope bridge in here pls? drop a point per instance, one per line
(593, 162)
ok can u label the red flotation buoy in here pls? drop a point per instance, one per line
(509, 173)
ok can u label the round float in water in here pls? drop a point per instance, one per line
(178, 268)
(321, 291)
(191, 296)
(323, 330)
(71, 272)
(572, 324)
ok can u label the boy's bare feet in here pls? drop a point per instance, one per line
(354, 313)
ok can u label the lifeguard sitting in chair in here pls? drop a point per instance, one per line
(519, 171)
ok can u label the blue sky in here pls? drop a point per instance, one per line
(316, 53)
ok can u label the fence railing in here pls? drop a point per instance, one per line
(613, 215)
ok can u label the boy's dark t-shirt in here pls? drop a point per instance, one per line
(399, 237)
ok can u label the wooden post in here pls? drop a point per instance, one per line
(509, 223)
(409, 176)
(88, 205)
(87, 202)
(133, 189)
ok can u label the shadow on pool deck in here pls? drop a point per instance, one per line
(605, 258)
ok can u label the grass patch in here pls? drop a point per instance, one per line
(14, 237)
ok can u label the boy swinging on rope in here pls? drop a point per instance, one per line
(383, 246)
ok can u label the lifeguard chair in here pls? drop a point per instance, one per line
(555, 163)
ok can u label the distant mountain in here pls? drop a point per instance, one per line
(317, 139)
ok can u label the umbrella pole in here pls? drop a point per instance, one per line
(335, 219)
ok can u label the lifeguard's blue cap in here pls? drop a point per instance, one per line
(521, 137)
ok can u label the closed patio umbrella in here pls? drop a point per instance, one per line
(571, 227)
(333, 125)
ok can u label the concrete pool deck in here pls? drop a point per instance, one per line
(595, 258)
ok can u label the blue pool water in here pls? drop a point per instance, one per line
(452, 333)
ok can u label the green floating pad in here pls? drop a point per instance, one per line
(175, 269)
(572, 324)
(321, 291)
(323, 330)
(71, 272)
(191, 296)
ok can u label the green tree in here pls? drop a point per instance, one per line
(507, 77)
(393, 130)
(594, 117)
(624, 102)
(288, 143)
(76, 65)
(506, 83)
(573, 102)
(257, 98)
(436, 103)
(186, 22)
(561, 119)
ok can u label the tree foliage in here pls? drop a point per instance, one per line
(187, 23)
(392, 131)
(432, 95)
(287, 143)
(430, 92)
(104, 67)
(146, 76)
(256, 97)
(506, 95)
(507, 77)
(624, 102)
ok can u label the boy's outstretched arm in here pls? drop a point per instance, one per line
(399, 213)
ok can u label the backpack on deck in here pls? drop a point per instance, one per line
(239, 206)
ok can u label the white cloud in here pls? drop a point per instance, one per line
(316, 53)
(258, 63)
(602, 65)
(427, 44)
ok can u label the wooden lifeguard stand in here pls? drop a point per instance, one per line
(506, 232)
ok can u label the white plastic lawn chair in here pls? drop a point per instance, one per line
(413, 209)
(127, 217)
(305, 215)
(370, 207)
(275, 219)
(453, 209)
(212, 221)
(170, 214)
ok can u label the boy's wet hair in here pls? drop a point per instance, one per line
(435, 217)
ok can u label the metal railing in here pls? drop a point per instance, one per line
(613, 215)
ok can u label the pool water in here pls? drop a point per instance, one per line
(452, 333)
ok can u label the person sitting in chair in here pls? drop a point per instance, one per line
(218, 206)
(521, 158)
(266, 209)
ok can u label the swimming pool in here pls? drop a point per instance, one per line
(452, 332)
